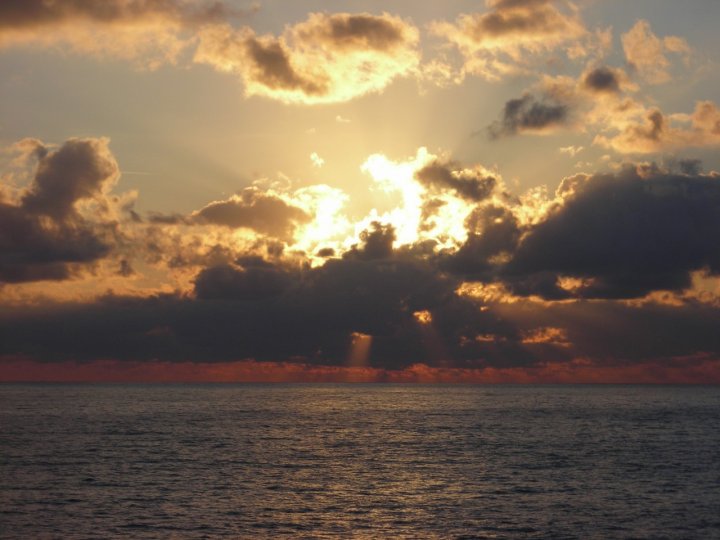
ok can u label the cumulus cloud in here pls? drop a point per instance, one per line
(650, 130)
(474, 185)
(63, 220)
(256, 210)
(528, 114)
(598, 99)
(493, 234)
(622, 235)
(602, 79)
(375, 242)
(494, 43)
(647, 53)
(328, 58)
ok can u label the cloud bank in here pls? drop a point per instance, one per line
(588, 277)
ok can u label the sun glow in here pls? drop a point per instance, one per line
(392, 177)
(420, 212)
(330, 228)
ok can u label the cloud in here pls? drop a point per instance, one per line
(306, 316)
(535, 282)
(529, 114)
(474, 185)
(41, 13)
(317, 161)
(598, 99)
(82, 169)
(64, 219)
(621, 235)
(572, 151)
(270, 313)
(654, 131)
(493, 233)
(328, 58)
(376, 243)
(646, 53)
(256, 210)
(602, 79)
(255, 280)
(150, 32)
(701, 369)
(494, 43)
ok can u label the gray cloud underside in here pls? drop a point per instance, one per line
(527, 113)
(43, 236)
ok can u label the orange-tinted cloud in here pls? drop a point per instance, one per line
(493, 43)
(256, 210)
(149, 32)
(646, 53)
(688, 371)
(655, 131)
(328, 58)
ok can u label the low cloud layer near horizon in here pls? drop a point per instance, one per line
(613, 268)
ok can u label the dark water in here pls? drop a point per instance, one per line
(377, 461)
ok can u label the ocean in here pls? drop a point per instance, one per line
(359, 461)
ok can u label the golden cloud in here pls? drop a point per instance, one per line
(493, 43)
(647, 53)
(328, 58)
(149, 32)
(655, 131)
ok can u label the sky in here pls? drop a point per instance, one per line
(461, 191)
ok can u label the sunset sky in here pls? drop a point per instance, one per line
(457, 191)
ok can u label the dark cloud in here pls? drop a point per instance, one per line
(126, 269)
(377, 243)
(492, 231)
(44, 236)
(326, 252)
(470, 185)
(255, 210)
(615, 333)
(248, 282)
(619, 235)
(81, 169)
(270, 66)
(601, 79)
(31, 251)
(626, 234)
(528, 114)
(691, 167)
(267, 312)
(311, 315)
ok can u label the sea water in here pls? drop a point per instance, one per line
(362, 461)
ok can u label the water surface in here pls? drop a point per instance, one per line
(328, 461)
